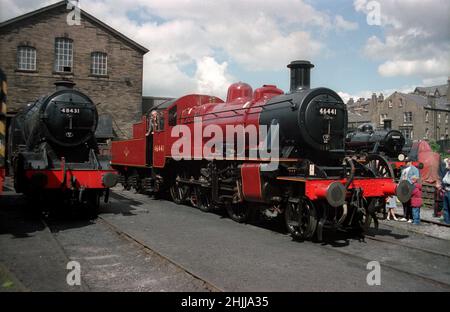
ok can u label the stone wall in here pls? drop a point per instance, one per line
(119, 93)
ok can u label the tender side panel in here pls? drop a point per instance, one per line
(139, 130)
(129, 152)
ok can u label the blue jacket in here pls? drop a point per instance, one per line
(413, 171)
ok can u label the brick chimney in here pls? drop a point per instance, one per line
(448, 91)
(431, 100)
(374, 99)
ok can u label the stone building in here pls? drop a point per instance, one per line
(52, 43)
(422, 114)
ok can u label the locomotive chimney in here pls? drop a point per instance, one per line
(387, 124)
(300, 75)
(64, 84)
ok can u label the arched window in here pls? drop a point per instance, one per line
(26, 58)
(63, 55)
(427, 117)
(99, 63)
(427, 133)
(439, 118)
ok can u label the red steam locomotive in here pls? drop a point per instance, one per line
(264, 151)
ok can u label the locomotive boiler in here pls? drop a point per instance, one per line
(384, 141)
(306, 178)
(53, 149)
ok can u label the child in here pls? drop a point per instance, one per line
(416, 200)
(391, 204)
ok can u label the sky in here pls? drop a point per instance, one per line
(202, 46)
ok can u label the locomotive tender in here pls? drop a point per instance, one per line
(53, 150)
(314, 185)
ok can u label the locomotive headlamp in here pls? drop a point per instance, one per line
(109, 179)
(401, 157)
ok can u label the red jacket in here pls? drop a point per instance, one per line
(416, 198)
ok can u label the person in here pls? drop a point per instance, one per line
(416, 200)
(407, 173)
(391, 204)
(446, 188)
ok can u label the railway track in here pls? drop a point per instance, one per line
(208, 285)
(52, 230)
(212, 287)
(394, 242)
(84, 285)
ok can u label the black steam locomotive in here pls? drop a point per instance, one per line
(384, 141)
(53, 151)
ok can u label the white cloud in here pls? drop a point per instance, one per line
(412, 67)
(342, 24)
(189, 38)
(435, 81)
(212, 77)
(416, 37)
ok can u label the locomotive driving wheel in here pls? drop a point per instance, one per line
(380, 166)
(179, 191)
(238, 210)
(301, 218)
(201, 199)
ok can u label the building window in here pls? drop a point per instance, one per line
(439, 118)
(407, 117)
(427, 117)
(401, 103)
(438, 133)
(446, 132)
(390, 103)
(26, 58)
(407, 133)
(63, 55)
(446, 118)
(382, 118)
(99, 63)
(427, 133)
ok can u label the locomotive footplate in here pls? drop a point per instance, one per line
(316, 188)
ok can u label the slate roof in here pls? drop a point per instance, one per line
(441, 103)
(359, 118)
(84, 14)
(442, 89)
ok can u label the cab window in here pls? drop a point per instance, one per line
(157, 121)
(173, 116)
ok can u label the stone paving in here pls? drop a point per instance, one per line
(425, 228)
